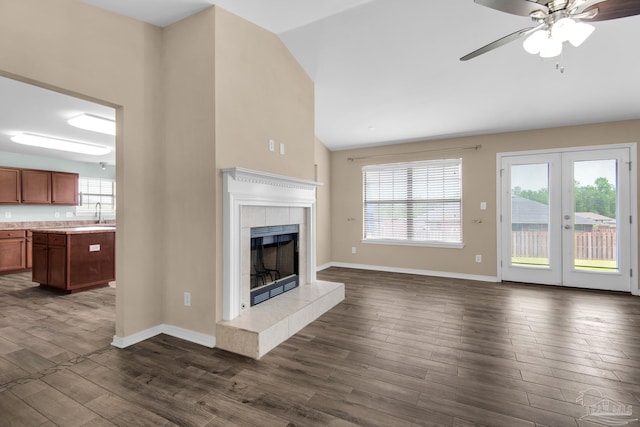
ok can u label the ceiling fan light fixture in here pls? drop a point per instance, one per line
(533, 44)
(563, 29)
(60, 144)
(551, 48)
(94, 123)
(580, 33)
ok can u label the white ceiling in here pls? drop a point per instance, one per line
(32, 109)
(388, 71)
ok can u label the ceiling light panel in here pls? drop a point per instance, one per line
(94, 123)
(60, 144)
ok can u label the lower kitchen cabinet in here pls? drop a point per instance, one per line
(73, 259)
(29, 244)
(12, 250)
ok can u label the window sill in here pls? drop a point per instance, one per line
(90, 215)
(425, 244)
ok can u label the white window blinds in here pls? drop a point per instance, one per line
(94, 190)
(413, 202)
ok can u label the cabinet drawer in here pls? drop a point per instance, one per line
(11, 234)
(40, 239)
(57, 239)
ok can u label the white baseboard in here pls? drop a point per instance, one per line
(189, 335)
(413, 271)
(174, 331)
(324, 266)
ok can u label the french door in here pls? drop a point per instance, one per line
(565, 219)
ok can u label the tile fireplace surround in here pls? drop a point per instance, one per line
(258, 199)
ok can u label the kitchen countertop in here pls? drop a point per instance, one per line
(48, 225)
(77, 230)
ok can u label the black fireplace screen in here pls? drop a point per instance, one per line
(274, 261)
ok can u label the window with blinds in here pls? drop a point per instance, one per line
(94, 190)
(415, 203)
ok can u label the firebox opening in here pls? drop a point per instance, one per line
(274, 261)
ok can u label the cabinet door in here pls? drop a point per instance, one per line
(12, 255)
(64, 188)
(39, 273)
(36, 186)
(57, 266)
(9, 185)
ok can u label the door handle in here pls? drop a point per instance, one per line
(567, 227)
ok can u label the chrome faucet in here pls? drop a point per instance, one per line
(99, 212)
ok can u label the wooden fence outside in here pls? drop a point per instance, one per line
(594, 245)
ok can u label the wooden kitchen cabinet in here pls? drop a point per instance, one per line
(12, 250)
(10, 186)
(40, 270)
(64, 188)
(73, 259)
(29, 249)
(36, 186)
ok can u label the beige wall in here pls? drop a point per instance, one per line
(323, 204)
(203, 94)
(189, 172)
(262, 93)
(81, 50)
(479, 184)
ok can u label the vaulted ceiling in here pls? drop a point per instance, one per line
(388, 71)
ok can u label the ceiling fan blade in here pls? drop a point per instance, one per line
(515, 7)
(614, 9)
(582, 4)
(586, 15)
(501, 42)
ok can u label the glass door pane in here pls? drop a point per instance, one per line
(530, 215)
(595, 212)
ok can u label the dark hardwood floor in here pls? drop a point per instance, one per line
(401, 350)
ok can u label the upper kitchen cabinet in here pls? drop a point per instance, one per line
(64, 188)
(36, 187)
(10, 186)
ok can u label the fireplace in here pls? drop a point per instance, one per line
(265, 202)
(269, 250)
(274, 261)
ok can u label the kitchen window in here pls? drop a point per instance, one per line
(417, 203)
(96, 190)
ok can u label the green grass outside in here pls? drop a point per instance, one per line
(581, 264)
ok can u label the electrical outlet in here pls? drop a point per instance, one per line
(272, 145)
(354, 250)
(7, 215)
(282, 149)
(478, 258)
(483, 206)
(57, 214)
(69, 214)
(187, 299)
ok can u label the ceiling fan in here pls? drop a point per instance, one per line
(557, 21)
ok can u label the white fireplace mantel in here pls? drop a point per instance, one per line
(245, 187)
